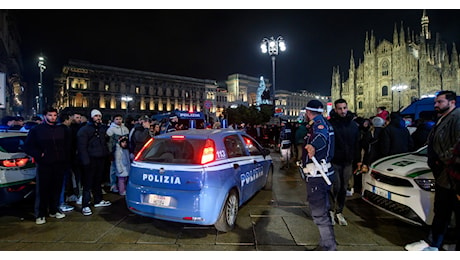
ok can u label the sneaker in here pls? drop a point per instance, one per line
(57, 215)
(103, 191)
(40, 221)
(66, 208)
(114, 189)
(103, 203)
(332, 217)
(350, 192)
(72, 198)
(78, 202)
(341, 220)
(417, 246)
(86, 211)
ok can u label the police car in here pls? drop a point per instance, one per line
(198, 176)
(17, 169)
(402, 185)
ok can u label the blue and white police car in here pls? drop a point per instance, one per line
(198, 176)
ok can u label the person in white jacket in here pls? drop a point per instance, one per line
(114, 132)
(123, 164)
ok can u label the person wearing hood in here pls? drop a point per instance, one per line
(49, 143)
(93, 152)
(347, 154)
(395, 138)
(116, 130)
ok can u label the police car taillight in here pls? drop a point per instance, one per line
(177, 137)
(209, 152)
(18, 162)
(143, 148)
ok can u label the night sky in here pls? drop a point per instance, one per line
(214, 43)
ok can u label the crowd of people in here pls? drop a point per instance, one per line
(75, 157)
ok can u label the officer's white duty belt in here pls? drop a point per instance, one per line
(311, 171)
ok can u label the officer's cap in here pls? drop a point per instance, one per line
(315, 105)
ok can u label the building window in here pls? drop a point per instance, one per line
(106, 87)
(137, 90)
(360, 104)
(385, 68)
(384, 91)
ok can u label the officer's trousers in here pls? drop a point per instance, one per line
(318, 200)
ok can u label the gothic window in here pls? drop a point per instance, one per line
(384, 91)
(413, 84)
(360, 104)
(385, 68)
(360, 90)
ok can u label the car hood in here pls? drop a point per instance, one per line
(403, 165)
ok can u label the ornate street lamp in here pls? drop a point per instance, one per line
(273, 46)
(42, 67)
(399, 88)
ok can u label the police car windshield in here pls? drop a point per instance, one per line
(182, 151)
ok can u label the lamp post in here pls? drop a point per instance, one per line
(399, 88)
(42, 67)
(273, 46)
(126, 99)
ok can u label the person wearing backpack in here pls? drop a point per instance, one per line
(116, 130)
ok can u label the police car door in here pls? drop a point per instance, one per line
(242, 165)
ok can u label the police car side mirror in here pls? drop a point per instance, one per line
(265, 152)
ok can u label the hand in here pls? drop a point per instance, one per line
(458, 197)
(310, 150)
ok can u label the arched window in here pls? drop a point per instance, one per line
(384, 91)
(360, 104)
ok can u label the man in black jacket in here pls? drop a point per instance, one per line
(49, 144)
(347, 153)
(93, 152)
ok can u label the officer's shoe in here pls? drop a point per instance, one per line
(342, 220)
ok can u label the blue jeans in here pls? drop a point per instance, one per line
(318, 200)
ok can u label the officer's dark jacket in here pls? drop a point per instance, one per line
(347, 136)
(92, 142)
(321, 136)
(49, 144)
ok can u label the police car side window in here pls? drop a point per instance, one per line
(234, 146)
(252, 146)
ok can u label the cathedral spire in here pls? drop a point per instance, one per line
(372, 42)
(426, 34)
(366, 43)
(402, 38)
(395, 36)
(454, 58)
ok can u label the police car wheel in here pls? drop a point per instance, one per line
(227, 217)
(269, 182)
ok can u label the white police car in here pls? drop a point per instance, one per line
(402, 185)
(198, 176)
(17, 169)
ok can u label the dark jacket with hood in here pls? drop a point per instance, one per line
(347, 135)
(49, 144)
(92, 142)
(395, 138)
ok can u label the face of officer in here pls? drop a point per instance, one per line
(341, 109)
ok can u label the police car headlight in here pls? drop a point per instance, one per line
(425, 184)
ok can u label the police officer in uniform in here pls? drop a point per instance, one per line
(319, 143)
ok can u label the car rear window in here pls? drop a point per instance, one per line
(13, 144)
(178, 151)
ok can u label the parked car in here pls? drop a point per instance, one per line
(402, 185)
(198, 176)
(17, 169)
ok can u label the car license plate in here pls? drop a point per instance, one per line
(157, 200)
(381, 192)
